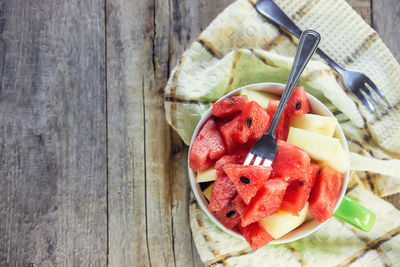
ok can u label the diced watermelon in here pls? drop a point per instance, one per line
(207, 147)
(247, 178)
(298, 103)
(227, 131)
(223, 191)
(282, 130)
(325, 194)
(253, 122)
(224, 120)
(255, 235)
(229, 106)
(298, 192)
(229, 159)
(314, 172)
(272, 107)
(229, 216)
(266, 202)
(198, 159)
(291, 162)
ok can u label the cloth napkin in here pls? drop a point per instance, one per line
(241, 47)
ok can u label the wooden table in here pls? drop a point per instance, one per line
(90, 172)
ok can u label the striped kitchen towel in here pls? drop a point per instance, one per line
(241, 47)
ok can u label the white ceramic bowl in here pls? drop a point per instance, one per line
(307, 227)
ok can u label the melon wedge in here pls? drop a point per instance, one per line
(207, 192)
(282, 222)
(327, 150)
(207, 175)
(319, 147)
(315, 123)
(340, 160)
(261, 98)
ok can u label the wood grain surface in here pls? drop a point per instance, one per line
(385, 17)
(90, 172)
(128, 35)
(53, 208)
(386, 20)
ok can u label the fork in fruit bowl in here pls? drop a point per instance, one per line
(264, 149)
(358, 83)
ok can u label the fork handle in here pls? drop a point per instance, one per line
(273, 12)
(309, 41)
(330, 61)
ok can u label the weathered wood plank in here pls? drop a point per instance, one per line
(386, 21)
(177, 23)
(363, 8)
(167, 187)
(129, 74)
(52, 133)
(148, 185)
(190, 17)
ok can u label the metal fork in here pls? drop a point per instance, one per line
(264, 149)
(358, 83)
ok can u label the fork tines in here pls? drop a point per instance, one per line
(253, 159)
(372, 98)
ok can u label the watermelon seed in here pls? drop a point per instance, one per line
(245, 180)
(249, 121)
(302, 183)
(298, 105)
(230, 213)
(230, 99)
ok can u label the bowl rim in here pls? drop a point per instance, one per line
(195, 187)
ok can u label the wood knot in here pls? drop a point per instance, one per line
(176, 149)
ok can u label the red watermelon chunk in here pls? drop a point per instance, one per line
(253, 122)
(266, 202)
(282, 130)
(298, 192)
(247, 178)
(325, 194)
(229, 216)
(272, 107)
(207, 147)
(298, 103)
(238, 158)
(291, 162)
(255, 235)
(223, 191)
(227, 131)
(229, 105)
